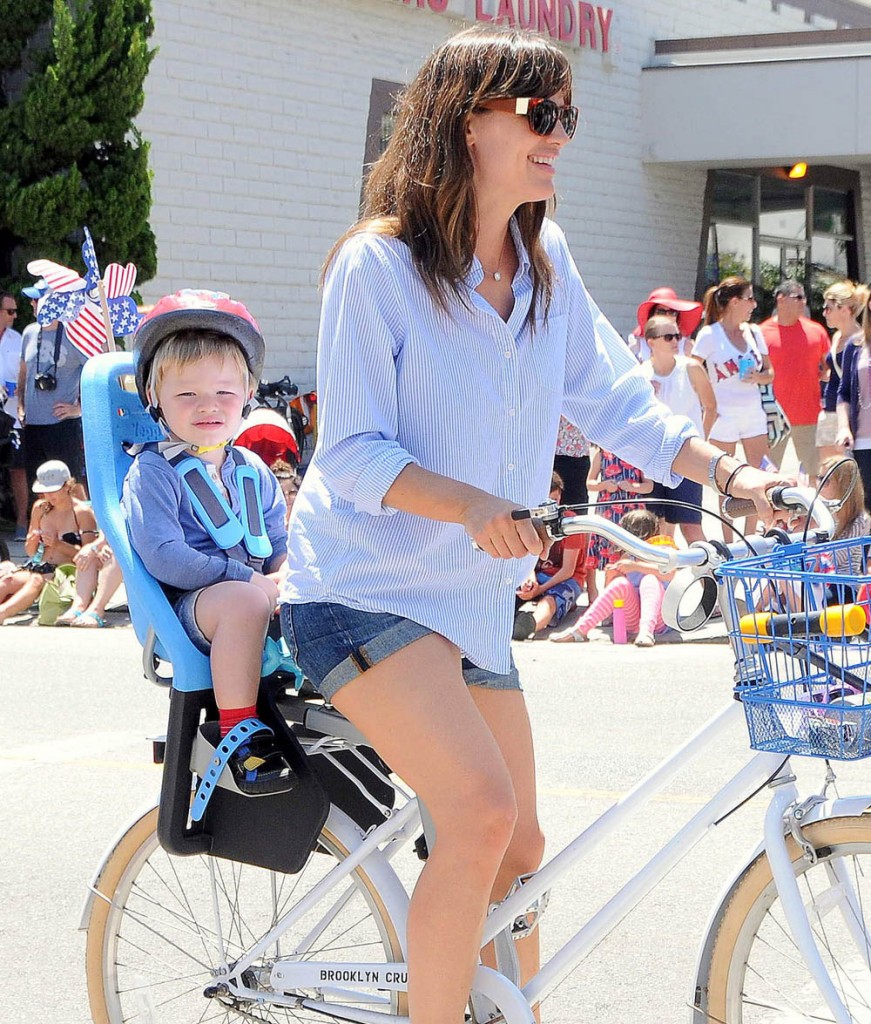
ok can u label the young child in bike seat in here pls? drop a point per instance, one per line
(205, 517)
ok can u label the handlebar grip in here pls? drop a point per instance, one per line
(521, 513)
(834, 621)
(734, 508)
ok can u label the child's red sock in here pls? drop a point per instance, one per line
(229, 718)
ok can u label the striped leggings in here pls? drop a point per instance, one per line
(642, 604)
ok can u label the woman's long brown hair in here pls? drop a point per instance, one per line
(421, 189)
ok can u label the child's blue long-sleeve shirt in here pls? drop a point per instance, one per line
(174, 546)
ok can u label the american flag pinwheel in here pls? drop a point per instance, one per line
(75, 300)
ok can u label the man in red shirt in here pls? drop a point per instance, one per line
(797, 347)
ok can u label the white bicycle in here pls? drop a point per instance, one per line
(201, 938)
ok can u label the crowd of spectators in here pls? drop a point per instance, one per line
(705, 360)
(708, 361)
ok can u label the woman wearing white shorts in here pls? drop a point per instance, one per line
(735, 356)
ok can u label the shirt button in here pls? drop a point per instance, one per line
(511, 465)
(511, 412)
(507, 581)
(507, 354)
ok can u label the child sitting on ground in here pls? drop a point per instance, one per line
(640, 585)
(552, 590)
(199, 355)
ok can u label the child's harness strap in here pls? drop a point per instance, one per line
(224, 751)
(243, 537)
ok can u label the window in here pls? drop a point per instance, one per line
(767, 228)
(379, 127)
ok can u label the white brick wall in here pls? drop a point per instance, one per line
(256, 112)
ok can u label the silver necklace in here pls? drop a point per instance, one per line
(497, 273)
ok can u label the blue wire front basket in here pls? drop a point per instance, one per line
(802, 647)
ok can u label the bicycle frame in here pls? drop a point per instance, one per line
(759, 769)
(502, 989)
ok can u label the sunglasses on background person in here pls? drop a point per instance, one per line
(664, 337)
(541, 114)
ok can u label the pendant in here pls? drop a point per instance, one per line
(497, 276)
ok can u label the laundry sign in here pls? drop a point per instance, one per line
(571, 22)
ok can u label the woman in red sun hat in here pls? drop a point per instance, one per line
(664, 302)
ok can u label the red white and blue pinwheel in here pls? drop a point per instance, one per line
(75, 300)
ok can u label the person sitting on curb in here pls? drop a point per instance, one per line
(98, 576)
(552, 590)
(60, 522)
(639, 585)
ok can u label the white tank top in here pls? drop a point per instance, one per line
(676, 390)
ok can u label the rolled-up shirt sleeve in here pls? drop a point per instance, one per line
(606, 396)
(152, 500)
(360, 339)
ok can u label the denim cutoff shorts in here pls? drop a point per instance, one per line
(184, 609)
(334, 644)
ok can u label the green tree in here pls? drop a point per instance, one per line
(70, 155)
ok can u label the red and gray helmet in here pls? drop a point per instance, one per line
(195, 309)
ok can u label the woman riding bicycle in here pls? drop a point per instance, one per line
(455, 276)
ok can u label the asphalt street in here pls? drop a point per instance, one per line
(75, 764)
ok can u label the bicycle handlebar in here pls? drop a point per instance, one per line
(552, 517)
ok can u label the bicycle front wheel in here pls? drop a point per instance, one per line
(158, 924)
(756, 974)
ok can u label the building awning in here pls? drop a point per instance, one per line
(759, 100)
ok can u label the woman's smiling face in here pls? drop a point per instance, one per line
(510, 161)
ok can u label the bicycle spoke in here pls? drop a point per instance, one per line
(766, 980)
(163, 934)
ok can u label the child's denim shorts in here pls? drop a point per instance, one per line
(334, 644)
(184, 609)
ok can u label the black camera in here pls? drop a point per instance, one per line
(45, 382)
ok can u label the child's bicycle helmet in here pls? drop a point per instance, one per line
(195, 309)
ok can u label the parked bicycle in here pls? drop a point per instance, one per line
(175, 938)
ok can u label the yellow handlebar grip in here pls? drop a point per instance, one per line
(834, 621)
(843, 620)
(754, 628)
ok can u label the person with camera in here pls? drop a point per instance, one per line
(48, 398)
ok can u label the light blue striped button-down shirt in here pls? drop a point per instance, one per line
(464, 394)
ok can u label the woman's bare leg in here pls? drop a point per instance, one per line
(416, 711)
(755, 449)
(108, 582)
(23, 598)
(506, 715)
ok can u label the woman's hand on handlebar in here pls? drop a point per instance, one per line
(755, 484)
(488, 522)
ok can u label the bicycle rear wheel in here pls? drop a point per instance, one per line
(153, 932)
(755, 973)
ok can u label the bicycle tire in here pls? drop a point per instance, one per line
(128, 911)
(754, 973)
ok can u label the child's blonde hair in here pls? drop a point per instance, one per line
(193, 346)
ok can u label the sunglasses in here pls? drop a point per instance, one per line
(829, 304)
(664, 337)
(541, 114)
(14, 311)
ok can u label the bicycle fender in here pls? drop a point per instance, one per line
(846, 807)
(107, 853)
